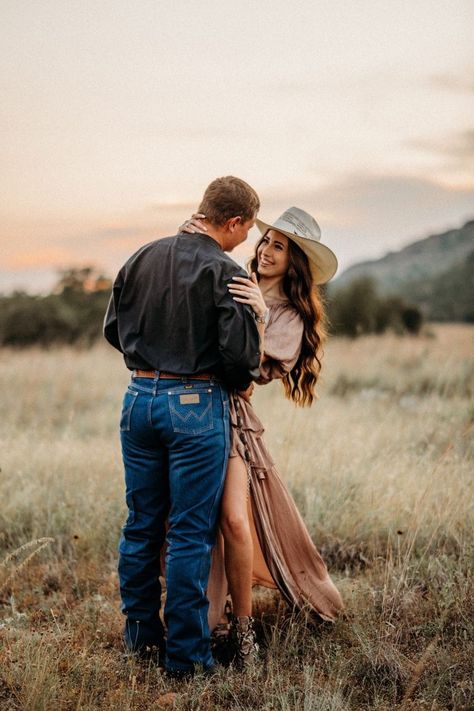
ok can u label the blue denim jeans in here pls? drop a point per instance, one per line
(175, 446)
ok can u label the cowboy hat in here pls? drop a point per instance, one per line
(304, 231)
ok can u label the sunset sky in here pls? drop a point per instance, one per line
(116, 114)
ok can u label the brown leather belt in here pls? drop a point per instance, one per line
(171, 376)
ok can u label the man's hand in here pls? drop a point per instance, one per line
(247, 394)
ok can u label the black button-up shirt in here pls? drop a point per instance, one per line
(170, 310)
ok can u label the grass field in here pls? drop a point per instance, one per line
(382, 470)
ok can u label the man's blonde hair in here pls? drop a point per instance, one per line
(229, 197)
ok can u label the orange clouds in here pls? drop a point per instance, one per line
(48, 257)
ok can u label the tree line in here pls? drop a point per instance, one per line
(359, 309)
(73, 312)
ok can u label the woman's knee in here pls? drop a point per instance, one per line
(235, 526)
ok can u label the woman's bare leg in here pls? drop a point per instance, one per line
(237, 537)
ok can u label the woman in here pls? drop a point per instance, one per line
(264, 540)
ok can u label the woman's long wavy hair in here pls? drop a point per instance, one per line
(305, 297)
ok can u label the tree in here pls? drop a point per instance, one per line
(73, 313)
(357, 309)
(352, 310)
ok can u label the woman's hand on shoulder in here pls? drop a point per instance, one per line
(246, 290)
(194, 225)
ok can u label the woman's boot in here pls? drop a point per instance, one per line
(244, 643)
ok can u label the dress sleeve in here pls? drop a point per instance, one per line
(283, 337)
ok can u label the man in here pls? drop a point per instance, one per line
(187, 342)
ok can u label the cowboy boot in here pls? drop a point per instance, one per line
(244, 643)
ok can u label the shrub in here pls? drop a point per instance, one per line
(73, 313)
(358, 309)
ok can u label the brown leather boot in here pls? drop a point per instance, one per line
(244, 643)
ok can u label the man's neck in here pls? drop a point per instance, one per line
(216, 234)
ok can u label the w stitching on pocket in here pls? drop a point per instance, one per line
(127, 411)
(189, 419)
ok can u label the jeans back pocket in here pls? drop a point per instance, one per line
(191, 410)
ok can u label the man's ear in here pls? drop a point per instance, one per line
(233, 222)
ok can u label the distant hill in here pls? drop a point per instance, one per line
(436, 273)
(448, 296)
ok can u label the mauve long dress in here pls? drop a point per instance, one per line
(285, 557)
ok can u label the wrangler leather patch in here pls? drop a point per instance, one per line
(191, 399)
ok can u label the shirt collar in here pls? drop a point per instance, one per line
(203, 238)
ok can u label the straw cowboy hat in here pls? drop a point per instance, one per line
(303, 229)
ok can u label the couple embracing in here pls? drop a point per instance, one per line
(197, 332)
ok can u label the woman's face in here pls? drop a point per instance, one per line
(273, 255)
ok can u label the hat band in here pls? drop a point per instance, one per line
(293, 221)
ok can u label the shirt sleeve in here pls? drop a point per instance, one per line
(110, 320)
(239, 341)
(283, 337)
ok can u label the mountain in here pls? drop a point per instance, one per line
(448, 296)
(436, 274)
(420, 260)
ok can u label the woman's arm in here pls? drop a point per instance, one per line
(195, 224)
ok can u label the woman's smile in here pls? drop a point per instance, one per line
(273, 255)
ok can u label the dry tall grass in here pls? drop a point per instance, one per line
(381, 468)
